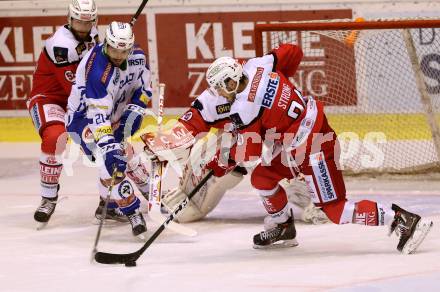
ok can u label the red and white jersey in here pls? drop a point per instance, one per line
(270, 103)
(206, 112)
(56, 66)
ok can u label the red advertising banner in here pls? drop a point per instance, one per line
(188, 42)
(21, 41)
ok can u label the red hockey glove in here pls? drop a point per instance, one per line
(221, 165)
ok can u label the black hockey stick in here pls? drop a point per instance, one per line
(104, 212)
(129, 259)
(138, 12)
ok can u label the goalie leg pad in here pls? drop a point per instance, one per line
(205, 200)
(137, 172)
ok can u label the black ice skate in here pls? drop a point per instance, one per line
(112, 214)
(283, 235)
(410, 228)
(137, 222)
(45, 211)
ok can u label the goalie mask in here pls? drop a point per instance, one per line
(222, 70)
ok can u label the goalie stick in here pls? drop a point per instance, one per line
(129, 259)
(156, 172)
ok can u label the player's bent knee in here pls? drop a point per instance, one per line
(53, 139)
(335, 211)
(260, 181)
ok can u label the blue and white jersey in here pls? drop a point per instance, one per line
(103, 92)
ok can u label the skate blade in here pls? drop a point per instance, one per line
(422, 229)
(141, 236)
(108, 222)
(41, 225)
(279, 244)
(112, 219)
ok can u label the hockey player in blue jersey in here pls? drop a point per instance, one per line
(106, 106)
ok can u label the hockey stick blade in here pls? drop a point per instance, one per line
(111, 258)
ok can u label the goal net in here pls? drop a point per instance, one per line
(380, 82)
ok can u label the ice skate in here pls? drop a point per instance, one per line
(410, 229)
(111, 214)
(138, 225)
(45, 211)
(282, 235)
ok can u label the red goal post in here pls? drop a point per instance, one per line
(380, 81)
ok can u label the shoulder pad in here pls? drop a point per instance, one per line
(61, 47)
(98, 67)
(244, 112)
(137, 58)
(197, 105)
(212, 108)
(137, 50)
(266, 60)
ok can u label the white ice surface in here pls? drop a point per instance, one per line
(220, 258)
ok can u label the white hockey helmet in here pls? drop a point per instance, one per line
(119, 35)
(84, 10)
(222, 69)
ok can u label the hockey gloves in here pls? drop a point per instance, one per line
(114, 158)
(221, 164)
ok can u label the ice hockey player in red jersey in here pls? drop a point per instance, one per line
(52, 82)
(266, 107)
(208, 112)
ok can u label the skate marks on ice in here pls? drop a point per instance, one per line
(220, 258)
(13, 167)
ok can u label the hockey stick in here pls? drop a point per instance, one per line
(155, 196)
(138, 12)
(103, 213)
(129, 259)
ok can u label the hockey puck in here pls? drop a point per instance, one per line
(130, 264)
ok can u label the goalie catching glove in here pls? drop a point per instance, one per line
(172, 145)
